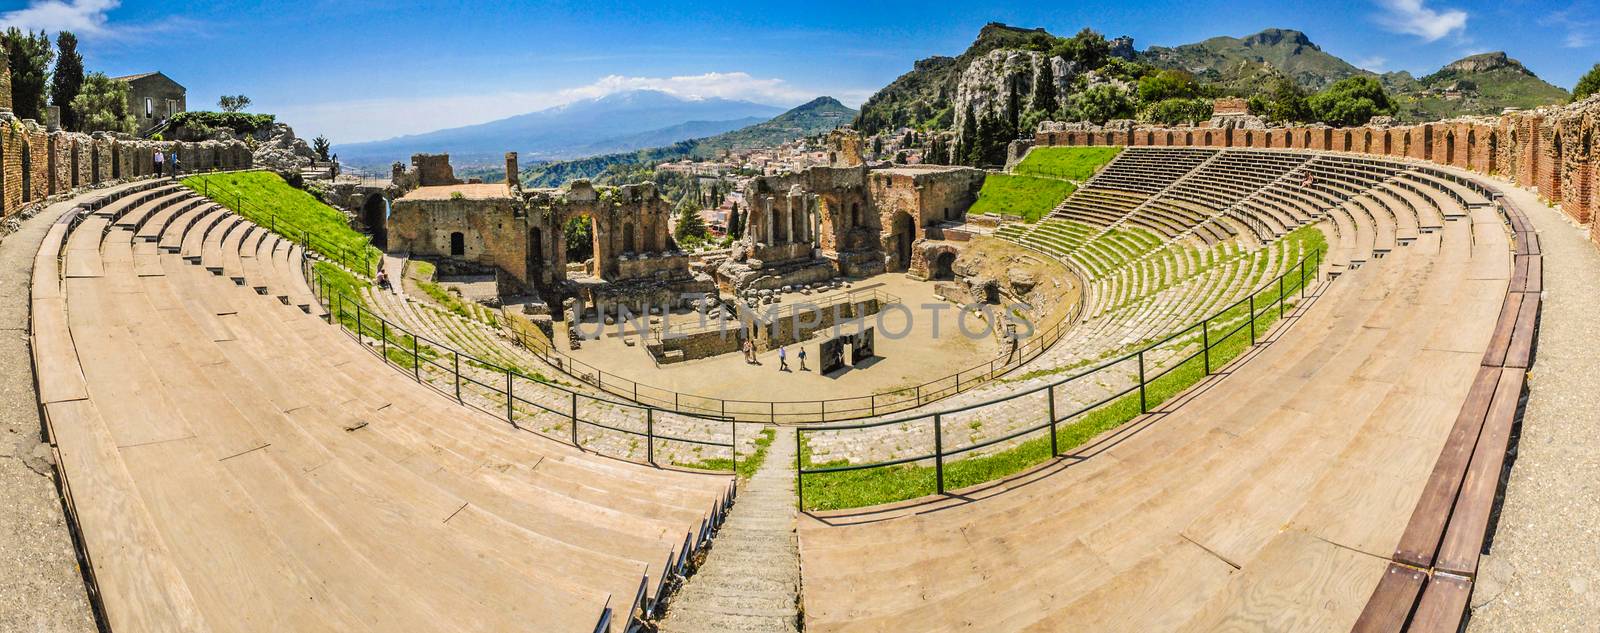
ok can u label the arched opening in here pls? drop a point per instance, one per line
(1208, 139)
(458, 244)
(1555, 168)
(628, 245)
(1169, 137)
(1249, 138)
(27, 172)
(74, 153)
(1472, 144)
(1366, 142)
(579, 235)
(780, 226)
(375, 214)
(1388, 144)
(1347, 138)
(904, 234)
(116, 161)
(855, 214)
(1449, 148)
(797, 224)
(1493, 153)
(536, 263)
(943, 266)
(1306, 142)
(94, 165)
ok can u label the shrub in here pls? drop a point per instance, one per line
(241, 123)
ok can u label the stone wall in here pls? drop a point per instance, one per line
(1548, 149)
(53, 163)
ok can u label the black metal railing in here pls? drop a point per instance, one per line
(1211, 332)
(359, 259)
(422, 357)
(796, 411)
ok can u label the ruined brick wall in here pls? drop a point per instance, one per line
(10, 165)
(1549, 150)
(433, 170)
(38, 162)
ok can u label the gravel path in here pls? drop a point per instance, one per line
(1542, 572)
(750, 581)
(40, 587)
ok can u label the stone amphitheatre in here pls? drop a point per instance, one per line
(1267, 379)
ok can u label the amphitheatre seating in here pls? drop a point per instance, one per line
(237, 464)
(1271, 501)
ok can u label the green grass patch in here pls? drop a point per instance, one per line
(748, 464)
(266, 199)
(1026, 197)
(1071, 163)
(872, 486)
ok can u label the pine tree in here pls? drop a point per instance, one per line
(735, 222)
(68, 78)
(1013, 101)
(30, 57)
(969, 138)
(1044, 88)
(689, 221)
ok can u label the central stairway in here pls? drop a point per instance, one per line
(750, 580)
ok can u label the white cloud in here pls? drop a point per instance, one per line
(385, 117)
(1375, 63)
(84, 17)
(1412, 17)
(1578, 39)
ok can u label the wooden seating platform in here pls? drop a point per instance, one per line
(1338, 476)
(235, 463)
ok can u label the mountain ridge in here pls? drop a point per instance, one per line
(583, 127)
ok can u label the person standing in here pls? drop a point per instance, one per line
(175, 165)
(783, 359)
(803, 359)
(749, 352)
(159, 161)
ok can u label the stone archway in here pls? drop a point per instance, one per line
(904, 233)
(27, 172)
(942, 266)
(375, 215)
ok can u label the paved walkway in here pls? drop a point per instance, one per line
(750, 581)
(40, 587)
(1542, 572)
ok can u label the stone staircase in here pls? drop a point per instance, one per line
(750, 580)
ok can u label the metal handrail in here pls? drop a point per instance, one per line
(866, 406)
(1279, 284)
(268, 218)
(393, 336)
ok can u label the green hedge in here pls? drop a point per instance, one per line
(239, 122)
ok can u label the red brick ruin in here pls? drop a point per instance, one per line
(1546, 149)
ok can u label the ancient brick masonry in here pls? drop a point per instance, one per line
(36, 164)
(1548, 149)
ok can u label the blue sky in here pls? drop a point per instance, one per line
(359, 70)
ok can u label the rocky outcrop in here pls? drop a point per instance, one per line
(283, 152)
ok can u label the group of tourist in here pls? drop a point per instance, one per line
(162, 159)
(783, 356)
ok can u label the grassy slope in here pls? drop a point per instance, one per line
(1072, 163)
(265, 195)
(1025, 196)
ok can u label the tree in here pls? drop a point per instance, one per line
(1351, 101)
(689, 223)
(102, 105)
(1044, 88)
(1588, 84)
(1281, 100)
(1175, 111)
(321, 146)
(735, 222)
(67, 79)
(233, 103)
(1100, 103)
(1167, 84)
(30, 57)
(1088, 48)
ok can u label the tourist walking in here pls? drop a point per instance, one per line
(175, 165)
(159, 162)
(749, 352)
(783, 359)
(803, 359)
